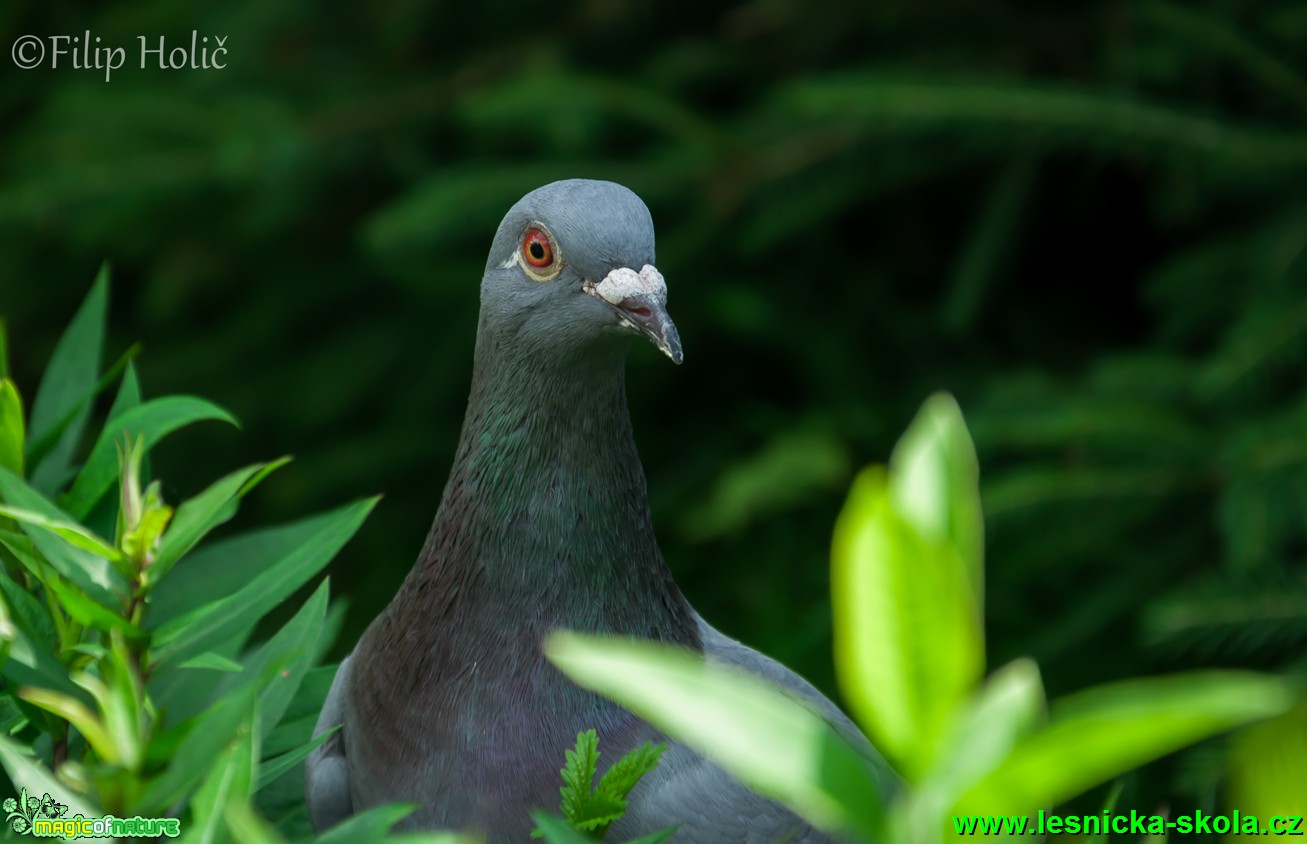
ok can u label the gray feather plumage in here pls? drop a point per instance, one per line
(446, 700)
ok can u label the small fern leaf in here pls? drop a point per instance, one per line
(578, 775)
(627, 771)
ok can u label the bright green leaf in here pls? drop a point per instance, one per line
(1268, 767)
(908, 648)
(655, 837)
(627, 771)
(934, 482)
(120, 694)
(78, 714)
(556, 831)
(985, 729)
(247, 827)
(71, 532)
(11, 428)
(1097, 734)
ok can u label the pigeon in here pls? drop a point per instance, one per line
(447, 701)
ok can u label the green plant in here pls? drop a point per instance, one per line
(589, 809)
(129, 683)
(907, 589)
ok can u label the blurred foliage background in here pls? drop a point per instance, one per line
(1087, 221)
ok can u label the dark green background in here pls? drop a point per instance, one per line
(1088, 223)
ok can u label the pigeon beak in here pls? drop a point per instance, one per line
(640, 300)
(650, 318)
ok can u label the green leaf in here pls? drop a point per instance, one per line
(11, 428)
(655, 837)
(761, 735)
(368, 825)
(218, 569)
(906, 585)
(196, 632)
(216, 662)
(128, 395)
(31, 660)
(152, 420)
(985, 729)
(91, 573)
(1097, 734)
(556, 831)
(87, 612)
(37, 449)
(292, 648)
(197, 516)
(71, 532)
(1012, 113)
(69, 378)
(247, 827)
(229, 781)
(627, 771)
(907, 639)
(208, 735)
(29, 773)
(934, 482)
(81, 716)
(29, 614)
(1268, 766)
(578, 775)
(120, 694)
(271, 769)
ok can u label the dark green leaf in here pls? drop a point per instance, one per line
(193, 757)
(69, 378)
(197, 516)
(272, 768)
(200, 630)
(153, 421)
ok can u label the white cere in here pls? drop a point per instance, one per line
(624, 283)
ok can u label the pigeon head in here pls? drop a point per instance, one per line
(571, 273)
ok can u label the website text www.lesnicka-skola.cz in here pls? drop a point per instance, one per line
(1134, 823)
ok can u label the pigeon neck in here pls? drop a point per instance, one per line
(545, 519)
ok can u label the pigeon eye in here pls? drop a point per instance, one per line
(537, 250)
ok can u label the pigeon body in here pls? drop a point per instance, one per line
(447, 700)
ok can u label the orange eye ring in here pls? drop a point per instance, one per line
(537, 250)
